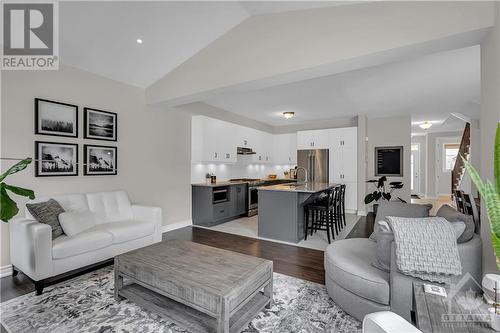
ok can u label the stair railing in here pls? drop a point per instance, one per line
(458, 169)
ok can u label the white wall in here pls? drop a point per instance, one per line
(443, 177)
(431, 172)
(490, 115)
(393, 131)
(153, 146)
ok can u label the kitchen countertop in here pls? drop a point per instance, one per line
(227, 182)
(299, 187)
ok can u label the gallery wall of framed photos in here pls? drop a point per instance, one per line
(61, 157)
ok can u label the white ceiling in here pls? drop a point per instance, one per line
(428, 88)
(100, 37)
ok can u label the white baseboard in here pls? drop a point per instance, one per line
(176, 225)
(361, 213)
(5, 271)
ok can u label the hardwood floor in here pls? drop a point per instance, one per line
(290, 260)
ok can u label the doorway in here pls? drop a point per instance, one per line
(415, 169)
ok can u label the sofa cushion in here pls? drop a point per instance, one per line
(69, 202)
(110, 206)
(47, 212)
(398, 209)
(124, 231)
(348, 262)
(76, 222)
(453, 216)
(69, 246)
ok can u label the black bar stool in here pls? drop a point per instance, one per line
(324, 213)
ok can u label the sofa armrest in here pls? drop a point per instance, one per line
(31, 247)
(149, 214)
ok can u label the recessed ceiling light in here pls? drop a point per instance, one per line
(139, 41)
(288, 114)
(425, 125)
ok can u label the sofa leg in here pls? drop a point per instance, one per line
(39, 287)
(15, 271)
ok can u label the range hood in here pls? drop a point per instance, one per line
(245, 151)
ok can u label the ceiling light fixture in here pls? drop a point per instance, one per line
(425, 125)
(139, 41)
(288, 114)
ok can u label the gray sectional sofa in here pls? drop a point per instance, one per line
(360, 288)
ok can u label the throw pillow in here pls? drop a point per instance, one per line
(47, 212)
(76, 222)
(385, 238)
(452, 215)
(398, 209)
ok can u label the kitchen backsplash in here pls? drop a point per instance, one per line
(229, 171)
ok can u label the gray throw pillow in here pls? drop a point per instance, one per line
(452, 215)
(385, 238)
(48, 212)
(398, 209)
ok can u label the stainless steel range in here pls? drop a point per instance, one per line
(253, 193)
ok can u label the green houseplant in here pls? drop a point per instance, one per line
(490, 193)
(8, 207)
(381, 191)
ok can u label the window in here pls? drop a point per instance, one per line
(450, 155)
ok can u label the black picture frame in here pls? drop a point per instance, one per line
(389, 161)
(39, 118)
(87, 124)
(87, 164)
(39, 160)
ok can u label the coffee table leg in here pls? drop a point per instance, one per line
(268, 291)
(223, 319)
(118, 285)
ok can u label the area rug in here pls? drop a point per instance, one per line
(86, 304)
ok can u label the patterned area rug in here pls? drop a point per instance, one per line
(86, 304)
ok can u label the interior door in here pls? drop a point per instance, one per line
(415, 169)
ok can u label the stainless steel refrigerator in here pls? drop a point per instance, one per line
(315, 161)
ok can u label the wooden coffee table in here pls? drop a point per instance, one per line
(198, 287)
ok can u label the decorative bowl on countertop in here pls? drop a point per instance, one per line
(272, 176)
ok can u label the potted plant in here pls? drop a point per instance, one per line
(490, 193)
(8, 207)
(382, 192)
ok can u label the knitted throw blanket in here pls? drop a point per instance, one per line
(426, 248)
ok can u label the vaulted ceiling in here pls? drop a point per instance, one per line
(100, 37)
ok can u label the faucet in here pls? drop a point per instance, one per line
(305, 174)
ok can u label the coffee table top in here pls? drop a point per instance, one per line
(217, 270)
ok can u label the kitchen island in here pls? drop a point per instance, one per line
(281, 213)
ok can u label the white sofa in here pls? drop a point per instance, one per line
(120, 227)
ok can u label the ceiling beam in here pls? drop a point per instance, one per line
(281, 48)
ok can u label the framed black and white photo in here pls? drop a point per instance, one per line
(99, 160)
(99, 125)
(56, 118)
(56, 159)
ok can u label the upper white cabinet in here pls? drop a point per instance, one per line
(212, 140)
(344, 155)
(314, 139)
(285, 149)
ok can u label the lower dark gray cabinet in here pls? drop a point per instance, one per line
(209, 210)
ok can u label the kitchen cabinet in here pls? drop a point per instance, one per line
(314, 139)
(285, 149)
(212, 140)
(343, 163)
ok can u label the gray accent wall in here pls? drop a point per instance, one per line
(154, 145)
(384, 132)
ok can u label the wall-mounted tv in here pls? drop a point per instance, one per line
(389, 161)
